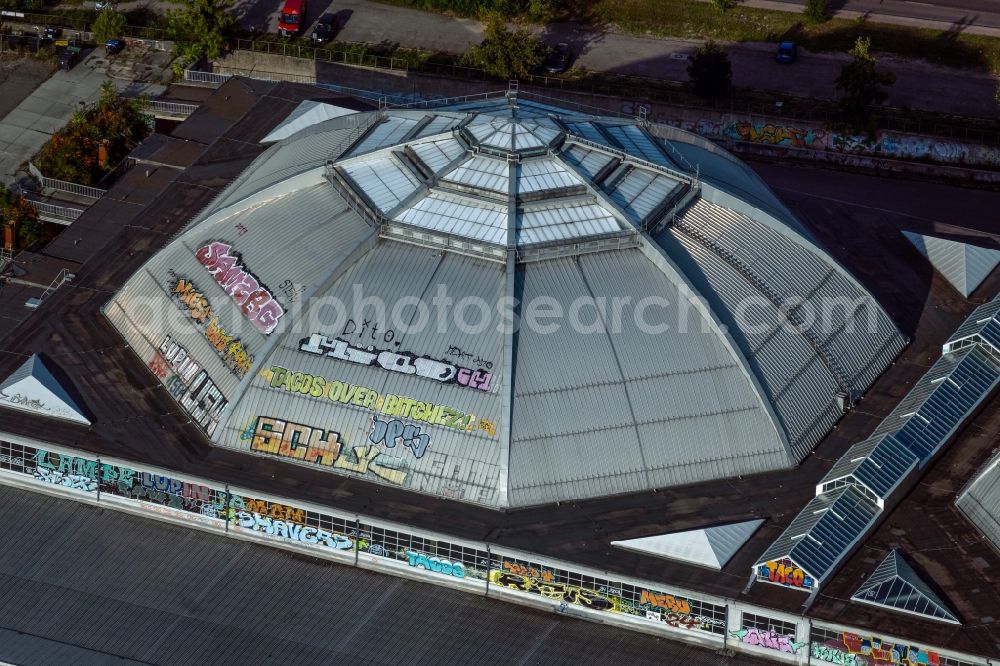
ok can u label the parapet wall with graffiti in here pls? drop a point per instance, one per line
(482, 568)
(888, 145)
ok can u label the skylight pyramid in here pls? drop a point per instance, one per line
(32, 388)
(706, 547)
(306, 114)
(963, 266)
(894, 585)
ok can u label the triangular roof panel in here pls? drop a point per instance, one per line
(306, 114)
(32, 388)
(894, 585)
(963, 266)
(707, 547)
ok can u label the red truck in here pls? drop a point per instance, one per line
(293, 18)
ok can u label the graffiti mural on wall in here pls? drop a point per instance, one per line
(323, 447)
(570, 594)
(402, 362)
(254, 299)
(390, 433)
(189, 384)
(283, 529)
(767, 638)
(370, 399)
(856, 650)
(230, 349)
(785, 572)
(886, 144)
(435, 564)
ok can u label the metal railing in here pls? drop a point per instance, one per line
(65, 186)
(57, 214)
(197, 76)
(162, 108)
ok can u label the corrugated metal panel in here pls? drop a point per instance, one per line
(544, 174)
(696, 415)
(963, 266)
(384, 180)
(438, 154)
(482, 172)
(460, 216)
(587, 160)
(980, 500)
(457, 463)
(557, 222)
(306, 114)
(641, 191)
(389, 132)
(707, 547)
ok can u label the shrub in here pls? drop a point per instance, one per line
(817, 11)
(109, 25)
(505, 54)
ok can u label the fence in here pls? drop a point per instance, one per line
(478, 567)
(65, 186)
(58, 214)
(161, 108)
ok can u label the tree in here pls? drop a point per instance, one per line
(113, 126)
(505, 54)
(710, 72)
(19, 210)
(200, 27)
(864, 87)
(817, 11)
(109, 25)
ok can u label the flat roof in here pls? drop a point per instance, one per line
(130, 409)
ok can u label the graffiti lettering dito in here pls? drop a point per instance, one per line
(474, 358)
(292, 531)
(554, 590)
(191, 386)
(769, 639)
(435, 564)
(314, 445)
(370, 399)
(395, 431)
(75, 481)
(785, 572)
(253, 298)
(397, 361)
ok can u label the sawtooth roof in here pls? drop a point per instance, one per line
(503, 200)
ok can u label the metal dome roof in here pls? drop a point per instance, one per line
(514, 202)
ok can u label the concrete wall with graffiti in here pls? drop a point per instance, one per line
(475, 567)
(891, 145)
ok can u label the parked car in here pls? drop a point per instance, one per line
(786, 52)
(324, 29)
(292, 18)
(50, 34)
(68, 57)
(558, 59)
(113, 46)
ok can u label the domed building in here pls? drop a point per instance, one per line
(504, 303)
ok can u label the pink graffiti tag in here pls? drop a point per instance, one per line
(256, 302)
(769, 639)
